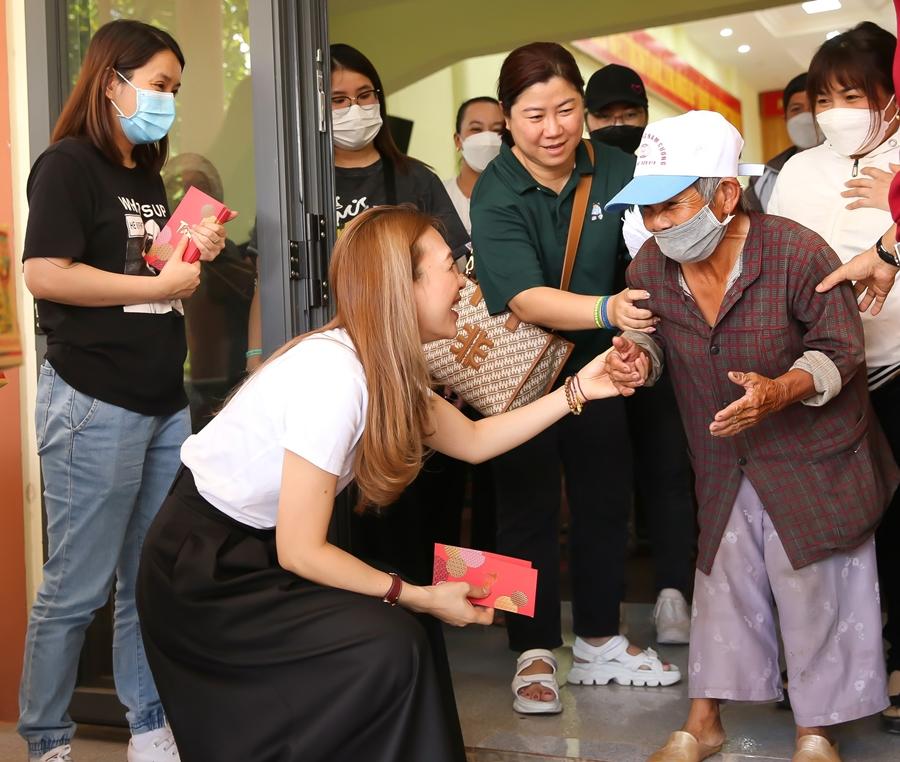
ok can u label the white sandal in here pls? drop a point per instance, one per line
(611, 661)
(545, 680)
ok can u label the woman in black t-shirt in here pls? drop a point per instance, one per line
(369, 168)
(111, 410)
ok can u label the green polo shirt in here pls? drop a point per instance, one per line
(519, 231)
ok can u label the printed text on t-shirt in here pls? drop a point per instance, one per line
(147, 210)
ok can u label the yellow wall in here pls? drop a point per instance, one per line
(727, 77)
(431, 102)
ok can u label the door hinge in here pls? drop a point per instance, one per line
(316, 260)
(294, 260)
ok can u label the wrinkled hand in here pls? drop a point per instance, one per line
(209, 236)
(874, 279)
(762, 397)
(449, 602)
(594, 380)
(628, 366)
(178, 279)
(623, 314)
(871, 191)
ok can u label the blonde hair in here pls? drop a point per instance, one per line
(373, 267)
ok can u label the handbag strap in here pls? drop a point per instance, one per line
(576, 221)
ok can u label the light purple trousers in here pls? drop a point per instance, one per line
(830, 620)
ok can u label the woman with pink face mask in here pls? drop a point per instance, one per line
(840, 190)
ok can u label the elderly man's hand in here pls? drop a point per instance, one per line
(628, 365)
(762, 397)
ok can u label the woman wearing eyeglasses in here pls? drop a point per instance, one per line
(369, 168)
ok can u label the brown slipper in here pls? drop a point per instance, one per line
(683, 747)
(815, 749)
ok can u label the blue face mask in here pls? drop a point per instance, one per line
(153, 115)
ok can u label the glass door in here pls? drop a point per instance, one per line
(251, 129)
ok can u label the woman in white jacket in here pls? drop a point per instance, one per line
(850, 86)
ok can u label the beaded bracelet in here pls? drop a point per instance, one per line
(575, 399)
(253, 353)
(571, 397)
(597, 307)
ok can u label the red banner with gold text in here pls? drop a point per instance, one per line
(664, 73)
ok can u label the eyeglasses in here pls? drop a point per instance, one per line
(631, 116)
(366, 100)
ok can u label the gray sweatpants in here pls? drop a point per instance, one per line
(830, 619)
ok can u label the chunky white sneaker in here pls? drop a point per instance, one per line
(59, 754)
(672, 617)
(156, 746)
(598, 665)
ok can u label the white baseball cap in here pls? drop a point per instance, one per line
(676, 152)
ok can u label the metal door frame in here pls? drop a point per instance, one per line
(294, 179)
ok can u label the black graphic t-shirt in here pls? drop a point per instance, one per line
(360, 188)
(83, 207)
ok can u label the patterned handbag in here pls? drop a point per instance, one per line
(497, 362)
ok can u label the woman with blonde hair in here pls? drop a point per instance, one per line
(266, 641)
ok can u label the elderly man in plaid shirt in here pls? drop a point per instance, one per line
(792, 470)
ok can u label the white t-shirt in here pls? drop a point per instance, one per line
(808, 191)
(312, 401)
(460, 203)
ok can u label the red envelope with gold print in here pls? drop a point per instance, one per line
(512, 581)
(192, 210)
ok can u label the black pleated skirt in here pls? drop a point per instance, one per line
(255, 664)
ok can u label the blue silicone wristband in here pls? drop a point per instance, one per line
(603, 316)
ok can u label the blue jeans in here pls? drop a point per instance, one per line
(106, 473)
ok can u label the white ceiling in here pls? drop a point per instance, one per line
(782, 40)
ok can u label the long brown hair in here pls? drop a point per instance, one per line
(373, 267)
(123, 45)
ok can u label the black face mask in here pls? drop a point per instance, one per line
(624, 136)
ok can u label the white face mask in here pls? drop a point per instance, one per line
(847, 129)
(802, 130)
(479, 149)
(356, 128)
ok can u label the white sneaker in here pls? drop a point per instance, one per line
(156, 746)
(672, 617)
(59, 754)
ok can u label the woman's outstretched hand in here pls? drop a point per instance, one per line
(594, 379)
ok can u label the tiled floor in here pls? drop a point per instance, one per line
(612, 723)
(608, 724)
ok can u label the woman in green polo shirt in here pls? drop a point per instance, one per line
(520, 212)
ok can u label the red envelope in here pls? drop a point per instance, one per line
(512, 581)
(194, 207)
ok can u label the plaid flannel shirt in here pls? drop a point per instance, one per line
(825, 474)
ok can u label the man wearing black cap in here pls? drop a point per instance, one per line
(616, 114)
(801, 127)
(616, 104)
